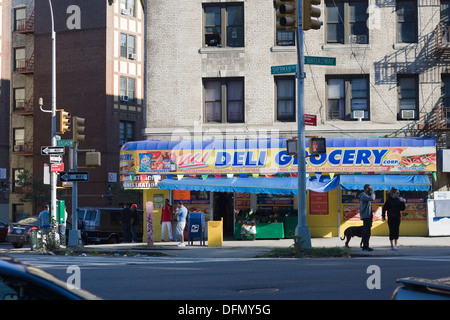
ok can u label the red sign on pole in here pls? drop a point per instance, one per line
(310, 120)
(56, 167)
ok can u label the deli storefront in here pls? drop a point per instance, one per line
(232, 179)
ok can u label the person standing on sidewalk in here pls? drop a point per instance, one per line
(125, 220)
(134, 222)
(393, 206)
(366, 215)
(166, 221)
(181, 218)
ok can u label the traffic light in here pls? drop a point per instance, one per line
(317, 146)
(78, 129)
(64, 121)
(291, 147)
(310, 12)
(286, 14)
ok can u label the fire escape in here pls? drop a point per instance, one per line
(440, 118)
(25, 106)
(437, 122)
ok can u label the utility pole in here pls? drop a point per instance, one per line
(53, 173)
(300, 15)
(302, 230)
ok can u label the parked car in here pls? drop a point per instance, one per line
(422, 289)
(19, 281)
(3, 231)
(103, 224)
(19, 232)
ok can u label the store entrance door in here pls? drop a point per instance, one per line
(224, 208)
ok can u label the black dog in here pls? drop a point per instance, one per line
(352, 232)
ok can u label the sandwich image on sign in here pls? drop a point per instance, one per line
(415, 157)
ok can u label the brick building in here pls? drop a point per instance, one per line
(5, 80)
(212, 69)
(99, 77)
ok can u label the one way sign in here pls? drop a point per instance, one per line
(74, 176)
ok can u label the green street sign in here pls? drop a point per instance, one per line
(291, 68)
(64, 143)
(323, 61)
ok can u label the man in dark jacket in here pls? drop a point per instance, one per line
(125, 220)
(366, 215)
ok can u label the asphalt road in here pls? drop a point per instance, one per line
(150, 278)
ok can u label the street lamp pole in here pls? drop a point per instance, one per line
(53, 174)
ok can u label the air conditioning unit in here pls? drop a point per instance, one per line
(132, 56)
(124, 98)
(408, 114)
(358, 38)
(358, 114)
(124, 12)
(18, 147)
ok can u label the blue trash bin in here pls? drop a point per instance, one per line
(196, 227)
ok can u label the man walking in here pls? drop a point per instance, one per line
(181, 218)
(366, 215)
(166, 220)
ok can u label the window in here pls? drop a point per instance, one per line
(18, 175)
(20, 17)
(127, 46)
(127, 90)
(285, 38)
(445, 12)
(19, 98)
(407, 97)
(406, 21)
(348, 98)
(126, 132)
(19, 139)
(446, 90)
(228, 110)
(347, 22)
(224, 25)
(127, 7)
(285, 98)
(19, 57)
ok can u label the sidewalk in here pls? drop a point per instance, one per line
(408, 246)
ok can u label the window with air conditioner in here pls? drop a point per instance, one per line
(127, 89)
(346, 22)
(127, 7)
(407, 86)
(127, 46)
(348, 98)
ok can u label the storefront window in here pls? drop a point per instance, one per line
(416, 204)
(350, 204)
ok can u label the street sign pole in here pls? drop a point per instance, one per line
(53, 176)
(74, 234)
(302, 231)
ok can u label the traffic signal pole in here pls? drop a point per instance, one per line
(53, 173)
(302, 231)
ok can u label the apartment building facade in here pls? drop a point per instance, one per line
(212, 70)
(99, 77)
(5, 81)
